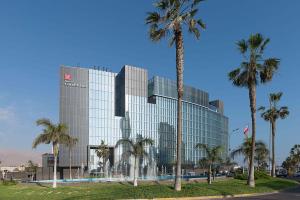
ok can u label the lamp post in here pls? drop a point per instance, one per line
(233, 131)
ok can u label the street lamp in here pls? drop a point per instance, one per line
(233, 131)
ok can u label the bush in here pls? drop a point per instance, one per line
(261, 175)
(8, 183)
(257, 175)
(241, 176)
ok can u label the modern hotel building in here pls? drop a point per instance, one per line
(97, 104)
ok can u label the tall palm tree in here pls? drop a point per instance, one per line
(261, 151)
(70, 143)
(103, 153)
(52, 133)
(253, 69)
(169, 20)
(271, 115)
(136, 149)
(213, 156)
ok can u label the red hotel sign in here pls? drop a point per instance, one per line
(68, 77)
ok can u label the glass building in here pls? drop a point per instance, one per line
(98, 104)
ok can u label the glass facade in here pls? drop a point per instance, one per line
(128, 105)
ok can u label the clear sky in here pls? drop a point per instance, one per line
(36, 37)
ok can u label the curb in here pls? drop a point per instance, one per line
(216, 197)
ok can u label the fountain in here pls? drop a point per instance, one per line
(152, 169)
(173, 170)
(107, 168)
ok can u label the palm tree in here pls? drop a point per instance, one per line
(289, 164)
(32, 168)
(213, 156)
(136, 149)
(271, 115)
(228, 164)
(52, 133)
(261, 151)
(253, 69)
(168, 20)
(292, 160)
(103, 153)
(70, 143)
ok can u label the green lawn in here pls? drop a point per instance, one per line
(144, 190)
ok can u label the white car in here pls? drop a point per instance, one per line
(297, 174)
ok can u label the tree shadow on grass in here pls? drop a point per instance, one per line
(221, 192)
(276, 185)
(45, 186)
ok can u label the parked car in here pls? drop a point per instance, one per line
(297, 174)
(281, 173)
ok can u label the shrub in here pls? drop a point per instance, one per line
(8, 183)
(257, 175)
(241, 176)
(261, 175)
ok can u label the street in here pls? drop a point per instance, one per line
(289, 194)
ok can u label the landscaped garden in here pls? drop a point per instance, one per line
(144, 190)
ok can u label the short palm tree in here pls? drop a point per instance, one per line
(289, 164)
(213, 156)
(52, 133)
(169, 20)
(295, 153)
(253, 69)
(271, 115)
(70, 143)
(103, 153)
(261, 151)
(136, 149)
(228, 163)
(32, 168)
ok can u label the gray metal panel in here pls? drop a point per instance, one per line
(74, 102)
(165, 87)
(136, 81)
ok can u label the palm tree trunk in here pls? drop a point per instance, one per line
(134, 173)
(273, 174)
(70, 162)
(252, 97)
(179, 73)
(55, 165)
(209, 175)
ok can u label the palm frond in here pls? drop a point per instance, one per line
(146, 141)
(44, 122)
(283, 112)
(201, 146)
(42, 138)
(162, 5)
(263, 46)
(171, 16)
(201, 24)
(275, 97)
(153, 17)
(261, 108)
(196, 2)
(236, 152)
(255, 41)
(242, 46)
(125, 141)
(157, 34)
(269, 68)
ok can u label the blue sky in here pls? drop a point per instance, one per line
(36, 37)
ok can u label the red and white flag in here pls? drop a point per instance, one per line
(246, 129)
